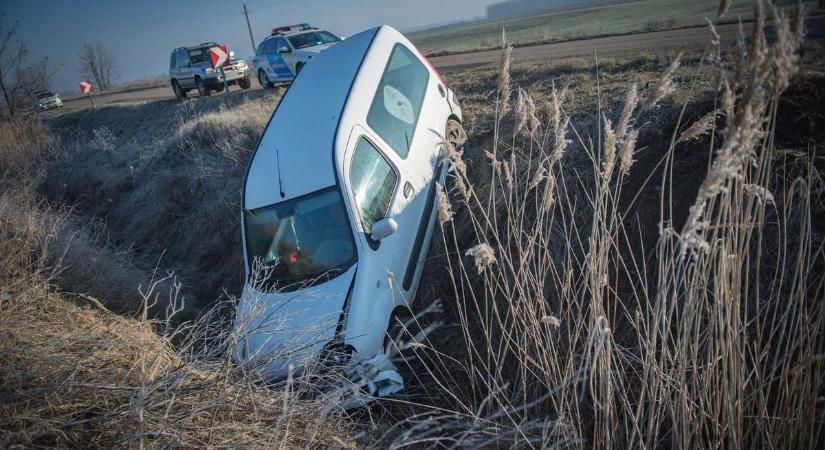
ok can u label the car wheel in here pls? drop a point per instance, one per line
(456, 136)
(244, 83)
(179, 93)
(203, 91)
(402, 330)
(263, 80)
(298, 68)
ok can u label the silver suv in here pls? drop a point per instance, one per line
(44, 100)
(191, 68)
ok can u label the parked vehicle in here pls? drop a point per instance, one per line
(339, 204)
(191, 68)
(281, 56)
(44, 100)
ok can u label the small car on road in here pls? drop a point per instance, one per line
(44, 100)
(339, 204)
(191, 68)
(281, 56)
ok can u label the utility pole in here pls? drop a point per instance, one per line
(249, 27)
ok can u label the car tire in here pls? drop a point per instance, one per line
(203, 89)
(244, 83)
(180, 94)
(263, 80)
(456, 135)
(298, 68)
(402, 327)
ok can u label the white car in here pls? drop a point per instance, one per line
(281, 56)
(45, 100)
(339, 204)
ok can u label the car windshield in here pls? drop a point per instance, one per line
(313, 38)
(199, 55)
(300, 241)
(45, 95)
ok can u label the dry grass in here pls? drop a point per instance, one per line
(628, 257)
(576, 327)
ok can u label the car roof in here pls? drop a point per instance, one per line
(295, 155)
(201, 45)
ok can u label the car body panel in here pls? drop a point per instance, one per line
(309, 145)
(296, 324)
(316, 100)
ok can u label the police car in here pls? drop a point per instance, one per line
(339, 203)
(284, 53)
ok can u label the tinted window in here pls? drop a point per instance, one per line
(182, 59)
(373, 182)
(261, 47)
(199, 55)
(313, 38)
(173, 59)
(279, 44)
(397, 102)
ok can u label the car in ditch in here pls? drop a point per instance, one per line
(191, 68)
(339, 205)
(281, 56)
(45, 100)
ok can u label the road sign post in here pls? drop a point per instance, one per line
(220, 59)
(87, 89)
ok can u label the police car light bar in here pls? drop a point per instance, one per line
(287, 29)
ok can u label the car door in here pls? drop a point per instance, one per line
(185, 75)
(403, 118)
(379, 188)
(282, 66)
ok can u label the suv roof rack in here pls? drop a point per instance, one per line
(291, 28)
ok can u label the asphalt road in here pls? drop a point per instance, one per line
(662, 43)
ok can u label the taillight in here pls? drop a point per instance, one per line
(430, 65)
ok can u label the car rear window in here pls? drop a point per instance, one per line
(397, 103)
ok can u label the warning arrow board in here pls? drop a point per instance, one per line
(219, 56)
(86, 87)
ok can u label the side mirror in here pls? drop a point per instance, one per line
(284, 50)
(383, 228)
(232, 53)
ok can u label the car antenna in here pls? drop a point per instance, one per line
(278, 164)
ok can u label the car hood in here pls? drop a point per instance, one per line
(276, 330)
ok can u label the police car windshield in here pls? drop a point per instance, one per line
(299, 242)
(312, 38)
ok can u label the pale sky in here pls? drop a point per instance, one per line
(142, 34)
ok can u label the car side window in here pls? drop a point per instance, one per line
(183, 59)
(397, 102)
(268, 46)
(373, 182)
(280, 43)
(260, 49)
(173, 59)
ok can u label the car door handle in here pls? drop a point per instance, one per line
(408, 189)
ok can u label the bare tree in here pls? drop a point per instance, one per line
(19, 79)
(97, 63)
